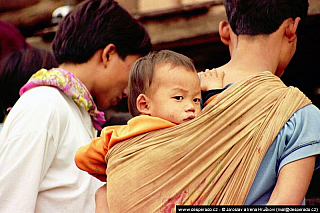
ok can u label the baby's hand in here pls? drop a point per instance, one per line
(211, 79)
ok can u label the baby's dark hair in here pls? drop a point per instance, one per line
(257, 17)
(142, 73)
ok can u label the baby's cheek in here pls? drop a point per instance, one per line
(174, 118)
(198, 110)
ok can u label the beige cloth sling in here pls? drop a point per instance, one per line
(212, 159)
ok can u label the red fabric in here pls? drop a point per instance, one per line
(11, 40)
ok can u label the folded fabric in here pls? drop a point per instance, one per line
(210, 160)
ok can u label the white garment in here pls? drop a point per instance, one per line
(37, 147)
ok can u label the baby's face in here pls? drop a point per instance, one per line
(175, 94)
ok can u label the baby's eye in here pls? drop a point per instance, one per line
(196, 100)
(179, 98)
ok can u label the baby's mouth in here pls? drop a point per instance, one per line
(189, 118)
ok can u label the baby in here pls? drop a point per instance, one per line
(164, 90)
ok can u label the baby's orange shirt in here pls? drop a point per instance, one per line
(91, 157)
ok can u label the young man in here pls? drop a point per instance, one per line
(95, 45)
(260, 41)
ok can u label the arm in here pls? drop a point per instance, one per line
(211, 84)
(293, 182)
(211, 79)
(24, 160)
(27, 150)
(90, 158)
(300, 147)
(101, 200)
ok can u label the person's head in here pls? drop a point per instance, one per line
(15, 71)
(94, 24)
(164, 84)
(104, 29)
(261, 19)
(11, 40)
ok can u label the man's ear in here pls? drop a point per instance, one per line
(224, 31)
(291, 30)
(107, 53)
(143, 104)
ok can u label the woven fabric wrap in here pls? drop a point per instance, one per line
(211, 160)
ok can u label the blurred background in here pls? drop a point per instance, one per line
(189, 27)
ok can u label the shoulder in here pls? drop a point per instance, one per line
(45, 96)
(39, 109)
(45, 100)
(305, 122)
(300, 136)
(309, 110)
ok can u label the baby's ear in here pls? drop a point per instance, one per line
(143, 104)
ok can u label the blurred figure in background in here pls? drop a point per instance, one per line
(15, 71)
(11, 39)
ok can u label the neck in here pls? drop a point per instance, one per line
(251, 55)
(82, 71)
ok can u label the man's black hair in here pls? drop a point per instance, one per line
(255, 17)
(94, 24)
